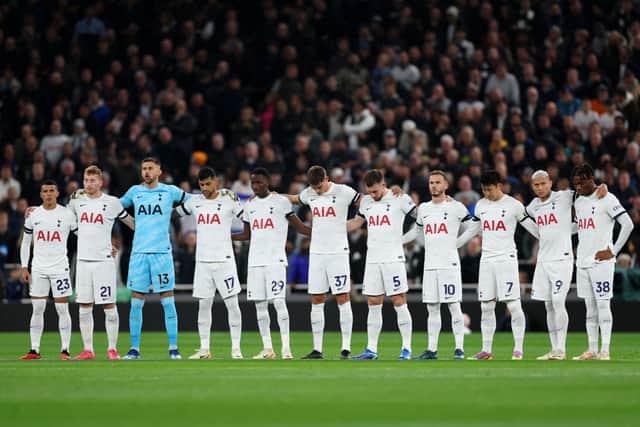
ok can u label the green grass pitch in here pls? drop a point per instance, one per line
(159, 392)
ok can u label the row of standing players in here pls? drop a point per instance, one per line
(444, 224)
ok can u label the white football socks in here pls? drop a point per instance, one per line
(37, 322)
(112, 326)
(457, 324)
(346, 324)
(204, 322)
(374, 326)
(283, 322)
(561, 322)
(317, 325)
(488, 324)
(86, 327)
(605, 321)
(434, 324)
(551, 324)
(264, 324)
(518, 324)
(405, 325)
(592, 324)
(235, 320)
(64, 324)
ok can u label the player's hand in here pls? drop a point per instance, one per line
(396, 190)
(28, 211)
(448, 198)
(25, 275)
(602, 191)
(604, 254)
(77, 194)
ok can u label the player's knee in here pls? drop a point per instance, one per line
(488, 306)
(342, 298)
(320, 299)
(399, 300)
(375, 300)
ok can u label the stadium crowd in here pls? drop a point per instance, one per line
(405, 86)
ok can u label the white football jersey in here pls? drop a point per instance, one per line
(95, 219)
(596, 218)
(385, 219)
(50, 230)
(440, 223)
(214, 219)
(498, 222)
(268, 219)
(330, 211)
(554, 220)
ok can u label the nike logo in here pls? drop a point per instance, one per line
(482, 213)
(36, 223)
(198, 206)
(252, 212)
(83, 205)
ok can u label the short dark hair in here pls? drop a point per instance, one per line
(583, 171)
(490, 177)
(316, 174)
(261, 172)
(373, 177)
(206, 173)
(152, 160)
(49, 182)
(439, 172)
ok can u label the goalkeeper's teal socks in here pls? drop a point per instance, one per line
(135, 322)
(170, 321)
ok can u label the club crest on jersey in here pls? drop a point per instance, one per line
(586, 224)
(493, 225)
(378, 220)
(91, 218)
(49, 236)
(547, 219)
(149, 210)
(206, 218)
(436, 228)
(324, 211)
(262, 223)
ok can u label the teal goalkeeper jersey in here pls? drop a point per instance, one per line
(152, 210)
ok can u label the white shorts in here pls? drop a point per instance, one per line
(551, 278)
(96, 282)
(266, 282)
(499, 281)
(58, 283)
(597, 281)
(442, 285)
(329, 272)
(385, 278)
(210, 276)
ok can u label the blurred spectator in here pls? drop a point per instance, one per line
(8, 182)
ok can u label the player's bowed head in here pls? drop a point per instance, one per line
(491, 184)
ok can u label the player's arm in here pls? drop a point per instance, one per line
(626, 227)
(472, 230)
(297, 223)
(129, 221)
(25, 250)
(355, 223)
(294, 199)
(412, 234)
(243, 235)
